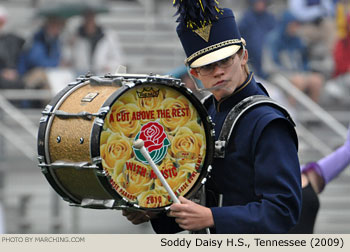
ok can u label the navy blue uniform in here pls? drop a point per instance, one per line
(260, 174)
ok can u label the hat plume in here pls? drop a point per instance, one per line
(197, 13)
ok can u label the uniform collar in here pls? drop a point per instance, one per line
(248, 88)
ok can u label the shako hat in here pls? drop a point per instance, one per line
(207, 33)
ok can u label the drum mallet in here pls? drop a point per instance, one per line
(139, 144)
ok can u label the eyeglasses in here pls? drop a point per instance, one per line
(209, 69)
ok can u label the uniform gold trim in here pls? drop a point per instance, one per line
(213, 47)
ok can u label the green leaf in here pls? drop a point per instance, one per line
(166, 142)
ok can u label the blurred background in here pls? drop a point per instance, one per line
(141, 36)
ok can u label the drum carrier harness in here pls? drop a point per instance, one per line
(236, 113)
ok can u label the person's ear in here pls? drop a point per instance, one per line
(194, 73)
(244, 57)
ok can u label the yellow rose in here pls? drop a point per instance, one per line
(153, 198)
(198, 130)
(135, 177)
(175, 177)
(172, 93)
(104, 137)
(181, 112)
(119, 119)
(128, 97)
(115, 151)
(187, 146)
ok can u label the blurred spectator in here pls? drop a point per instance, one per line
(317, 17)
(317, 29)
(342, 47)
(93, 48)
(10, 48)
(255, 24)
(44, 51)
(338, 88)
(287, 54)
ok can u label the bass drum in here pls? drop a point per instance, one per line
(86, 135)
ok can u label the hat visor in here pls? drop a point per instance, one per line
(215, 56)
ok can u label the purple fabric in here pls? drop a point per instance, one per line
(333, 164)
(312, 166)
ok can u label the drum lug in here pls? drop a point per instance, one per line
(74, 83)
(129, 84)
(47, 109)
(203, 181)
(41, 159)
(97, 160)
(209, 168)
(42, 165)
(187, 89)
(210, 120)
(212, 133)
(102, 111)
(220, 149)
(101, 173)
(44, 170)
(99, 122)
(46, 113)
(91, 203)
(107, 81)
(136, 206)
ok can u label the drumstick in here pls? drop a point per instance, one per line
(139, 144)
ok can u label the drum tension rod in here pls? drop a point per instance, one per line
(65, 115)
(63, 164)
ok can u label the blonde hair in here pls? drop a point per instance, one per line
(241, 53)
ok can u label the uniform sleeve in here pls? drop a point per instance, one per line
(277, 186)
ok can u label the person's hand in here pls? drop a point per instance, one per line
(191, 216)
(136, 217)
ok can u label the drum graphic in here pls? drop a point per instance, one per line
(86, 135)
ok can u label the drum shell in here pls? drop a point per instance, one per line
(69, 141)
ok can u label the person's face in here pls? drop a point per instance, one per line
(293, 28)
(54, 28)
(225, 77)
(2, 23)
(260, 6)
(90, 23)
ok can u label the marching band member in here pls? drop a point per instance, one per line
(259, 178)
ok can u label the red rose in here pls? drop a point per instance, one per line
(152, 135)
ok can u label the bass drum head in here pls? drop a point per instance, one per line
(176, 132)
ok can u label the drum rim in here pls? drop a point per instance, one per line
(208, 129)
(43, 132)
